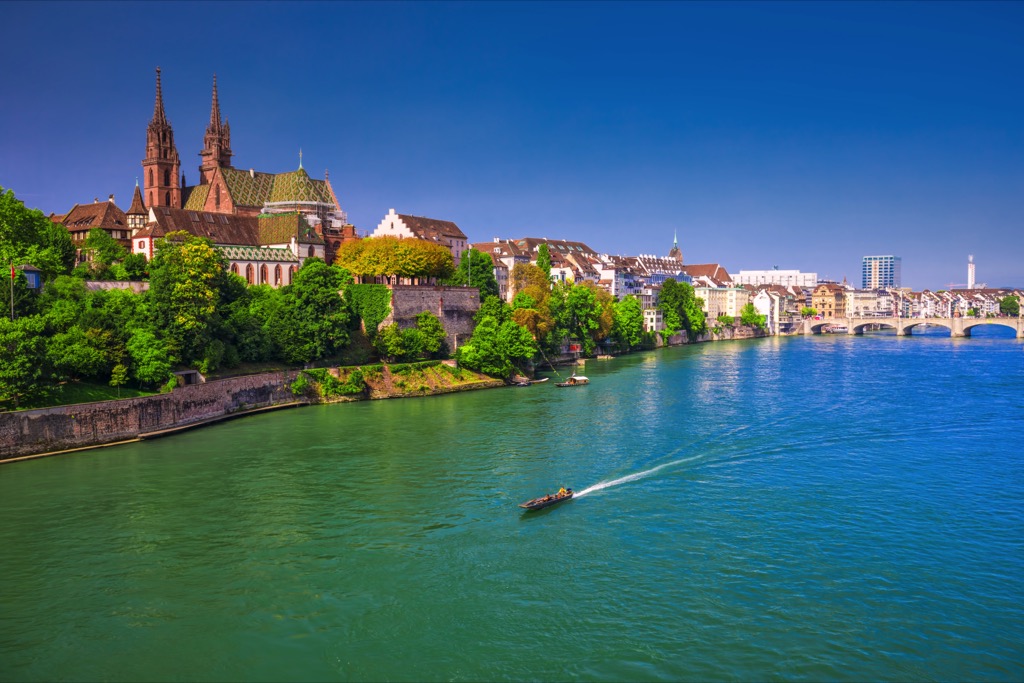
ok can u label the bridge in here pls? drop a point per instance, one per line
(958, 327)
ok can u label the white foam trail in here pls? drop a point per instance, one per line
(632, 477)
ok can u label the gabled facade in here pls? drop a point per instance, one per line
(84, 217)
(445, 233)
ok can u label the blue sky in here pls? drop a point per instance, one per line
(800, 135)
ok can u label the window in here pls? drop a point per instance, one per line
(167, 198)
(142, 244)
(234, 268)
(167, 177)
(249, 273)
(263, 274)
(150, 179)
(277, 275)
(216, 198)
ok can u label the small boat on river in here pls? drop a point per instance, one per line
(548, 500)
(573, 381)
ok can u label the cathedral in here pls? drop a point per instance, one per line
(245, 212)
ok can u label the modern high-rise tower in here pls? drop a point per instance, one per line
(970, 271)
(881, 272)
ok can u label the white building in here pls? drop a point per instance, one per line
(440, 232)
(785, 278)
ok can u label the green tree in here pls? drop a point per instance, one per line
(186, 276)
(682, 308)
(628, 328)
(1009, 305)
(495, 348)
(544, 259)
(808, 312)
(577, 312)
(29, 237)
(750, 316)
(476, 269)
(313, 319)
(726, 319)
(150, 357)
(119, 377)
(78, 354)
(432, 333)
(22, 360)
(106, 251)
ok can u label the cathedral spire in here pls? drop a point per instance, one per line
(158, 107)
(300, 158)
(215, 120)
(216, 151)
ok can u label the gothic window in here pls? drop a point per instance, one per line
(167, 177)
(216, 198)
(277, 275)
(151, 178)
(249, 273)
(263, 274)
(167, 198)
(312, 251)
(291, 273)
(234, 268)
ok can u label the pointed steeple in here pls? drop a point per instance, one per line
(215, 121)
(300, 158)
(675, 253)
(137, 213)
(159, 117)
(160, 167)
(216, 143)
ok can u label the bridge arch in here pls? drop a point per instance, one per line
(929, 322)
(858, 327)
(971, 323)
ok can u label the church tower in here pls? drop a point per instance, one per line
(675, 253)
(160, 168)
(216, 143)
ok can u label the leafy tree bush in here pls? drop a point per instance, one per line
(1009, 305)
(750, 316)
(682, 308)
(412, 258)
(372, 303)
(628, 328)
(495, 348)
(476, 269)
(544, 259)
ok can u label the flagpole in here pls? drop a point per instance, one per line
(12, 291)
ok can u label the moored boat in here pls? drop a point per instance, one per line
(573, 381)
(548, 500)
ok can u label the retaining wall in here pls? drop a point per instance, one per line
(91, 424)
(455, 306)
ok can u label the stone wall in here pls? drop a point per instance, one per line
(89, 424)
(455, 306)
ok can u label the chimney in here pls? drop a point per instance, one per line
(110, 199)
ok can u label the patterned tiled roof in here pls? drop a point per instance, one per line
(195, 197)
(253, 189)
(247, 188)
(246, 253)
(297, 186)
(710, 270)
(280, 228)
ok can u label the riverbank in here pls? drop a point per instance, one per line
(56, 430)
(64, 429)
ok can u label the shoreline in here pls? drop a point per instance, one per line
(81, 426)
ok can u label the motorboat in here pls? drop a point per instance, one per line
(547, 501)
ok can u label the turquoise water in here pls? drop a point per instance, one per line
(829, 508)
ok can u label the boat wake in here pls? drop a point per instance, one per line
(632, 477)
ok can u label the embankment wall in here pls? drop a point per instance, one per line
(91, 424)
(455, 306)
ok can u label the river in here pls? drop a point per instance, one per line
(827, 508)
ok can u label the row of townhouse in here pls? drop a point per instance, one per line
(833, 300)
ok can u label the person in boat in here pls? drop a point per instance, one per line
(562, 492)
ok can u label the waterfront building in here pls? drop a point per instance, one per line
(445, 233)
(881, 271)
(829, 299)
(785, 278)
(653, 320)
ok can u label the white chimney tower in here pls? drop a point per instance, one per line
(970, 271)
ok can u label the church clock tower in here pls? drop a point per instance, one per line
(161, 167)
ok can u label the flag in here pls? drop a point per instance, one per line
(12, 272)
